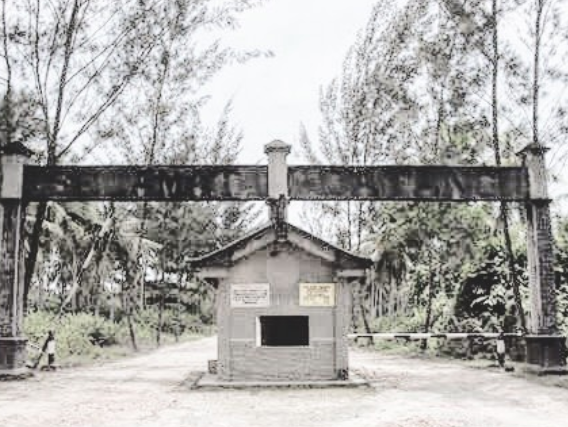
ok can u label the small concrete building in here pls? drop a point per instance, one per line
(283, 305)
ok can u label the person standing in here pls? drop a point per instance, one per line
(50, 350)
(501, 349)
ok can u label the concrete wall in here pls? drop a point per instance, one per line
(239, 355)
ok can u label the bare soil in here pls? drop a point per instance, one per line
(152, 390)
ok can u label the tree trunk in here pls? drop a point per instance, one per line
(127, 307)
(391, 295)
(497, 153)
(380, 301)
(399, 297)
(34, 249)
(365, 321)
(373, 298)
(536, 77)
(160, 317)
(131, 331)
(7, 113)
(354, 320)
(112, 309)
(494, 82)
(424, 343)
(512, 271)
(41, 292)
(178, 309)
(97, 305)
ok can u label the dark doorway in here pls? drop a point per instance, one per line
(284, 331)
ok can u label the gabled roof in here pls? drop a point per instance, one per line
(264, 235)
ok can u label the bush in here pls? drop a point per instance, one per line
(172, 323)
(87, 336)
(398, 324)
(76, 334)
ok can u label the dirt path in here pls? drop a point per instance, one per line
(148, 391)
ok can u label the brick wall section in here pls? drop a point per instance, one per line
(240, 358)
(315, 362)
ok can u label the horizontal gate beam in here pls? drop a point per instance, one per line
(145, 183)
(421, 183)
(241, 183)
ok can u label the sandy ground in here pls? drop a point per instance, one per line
(149, 390)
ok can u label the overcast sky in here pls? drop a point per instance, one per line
(271, 96)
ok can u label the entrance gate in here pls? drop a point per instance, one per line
(277, 183)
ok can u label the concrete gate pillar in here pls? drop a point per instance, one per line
(545, 346)
(277, 152)
(12, 210)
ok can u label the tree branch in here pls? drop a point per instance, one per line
(51, 154)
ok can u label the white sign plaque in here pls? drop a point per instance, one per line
(317, 294)
(250, 295)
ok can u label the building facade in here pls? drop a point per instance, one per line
(283, 305)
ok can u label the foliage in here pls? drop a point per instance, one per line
(399, 324)
(85, 336)
(172, 322)
(77, 334)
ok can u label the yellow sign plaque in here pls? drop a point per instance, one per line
(317, 294)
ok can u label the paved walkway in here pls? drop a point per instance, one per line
(148, 391)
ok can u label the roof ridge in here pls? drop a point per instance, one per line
(263, 227)
(330, 244)
(245, 236)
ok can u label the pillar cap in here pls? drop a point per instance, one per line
(16, 148)
(533, 148)
(277, 146)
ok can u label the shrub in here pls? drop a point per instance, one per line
(87, 336)
(76, 334)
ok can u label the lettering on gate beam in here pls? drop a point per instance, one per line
(82, 183)
(445, 183)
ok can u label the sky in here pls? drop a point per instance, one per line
(272, 96)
